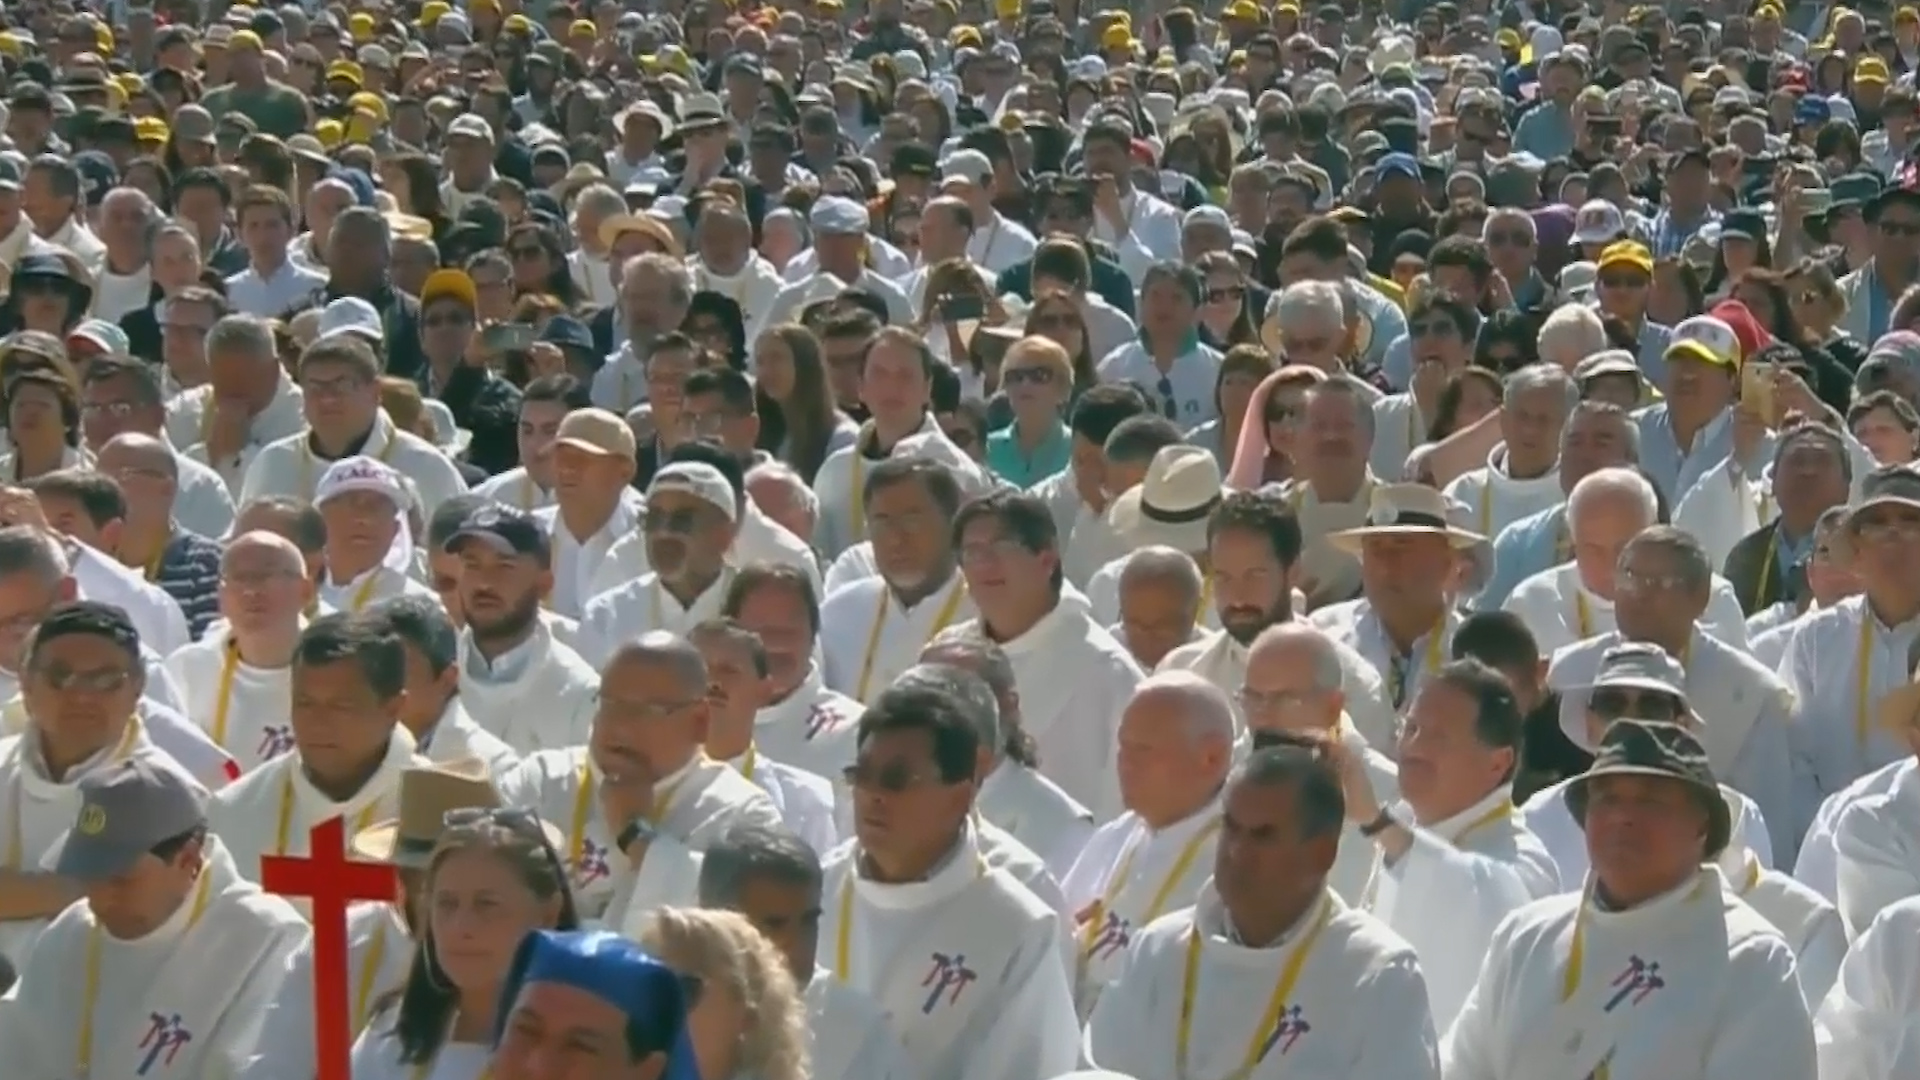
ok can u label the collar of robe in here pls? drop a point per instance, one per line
(510, 667)
(957, 869)
(1452, 827)
(452, 715)
(400, 749)
(1220, 938)
(1650, 915)
(796, 707)
(1179, 832)
(1041, 634)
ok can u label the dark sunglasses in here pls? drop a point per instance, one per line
(1038, 376)
(1615, 701)
(1431, 328)
(1623, 281)
(892, 778)
(1221, 296)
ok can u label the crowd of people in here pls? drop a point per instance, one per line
(947, 540)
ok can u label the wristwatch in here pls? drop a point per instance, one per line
(638, 829)
(1370, 830)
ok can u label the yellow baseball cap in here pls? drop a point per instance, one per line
(1117, 36)
(1242, 9)
(583, 28)
(150, 129)
(1625, 253)
(245, 39)
(432, 11)
(362, 26)
(966, 36)
(1906, 14)
(517, 24)
(348, 70)
(371, 102)
(1006, 9)
(329, 132)
(1871, 69)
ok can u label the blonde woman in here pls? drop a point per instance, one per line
(745, 1015)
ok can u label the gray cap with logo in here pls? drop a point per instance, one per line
(127, 810)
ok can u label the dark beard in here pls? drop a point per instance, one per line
(508, 627)
(1281, 612)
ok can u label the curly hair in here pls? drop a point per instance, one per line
(729, 954)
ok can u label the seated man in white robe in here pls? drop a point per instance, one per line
(81, 681)
(1868, 1026)
(1168, 507)
(1176, 745)
(771, 876)
(380, 934)
(1747, 716)
(1014, 796)
(517, 682)
(874, 629)
(1637, 679)
(166, 968)
(1655, 962)
(803, 723)
(691, 519)
(349, 747)
(968, 964)
(1574, 601)
(1161, 598)
(432, 708)
(1254, 550)
(236, 680)
(1522, 474)
(1808, 921)
(1876, 836)
(594, 504)
(736, 687)
(1269, 974)
(1073, 677)
(641, 797)
(1293, 685)
(369, 544)
(1455, 858)
(1402, 623)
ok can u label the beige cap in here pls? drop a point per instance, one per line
(598, 431)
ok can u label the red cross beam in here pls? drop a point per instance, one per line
(329, 881)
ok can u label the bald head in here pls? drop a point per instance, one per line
(672, 653)
(1176, 742)
(142, 454)
(1293, 680)
(1160, 594)
(1203, 707)
(261, 550)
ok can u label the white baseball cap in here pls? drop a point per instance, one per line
(1706, 339)
(1599, 222)
(699, 479)
(361, 473)
(351, 315)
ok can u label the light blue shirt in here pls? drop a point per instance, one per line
(1525, 548)
(1653, 351)
(1015, 466)
(274, 295)
(1675, 470)
(1546, 132)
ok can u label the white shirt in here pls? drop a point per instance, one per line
(642, 606)
(1191, 378)
(841, 483)
(202, 504)
(190, 421)
(376, 1056)
(1560, 610)
(1398, 430)
(577, 559)
(117, 295)
(272, 294)
(1840, 737)
(1868, 1026)
(1355, 624)
(367, 588)
(1819, 864)
(379, 951)
(1033, 810)
(867, 638)
(290, 467)
(813, 728)
(1875, 841)
(593, 276)
(1808, 922)
(999, 244)
(1723, 997)
(538, 695)
(791, 301)
(1152, 232)
(516, 488)
(968, 965)
(806, 802)
(1357, 1006)
(754, 287)
(271, 810)
(758, 538)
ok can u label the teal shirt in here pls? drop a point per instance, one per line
(1005, 458)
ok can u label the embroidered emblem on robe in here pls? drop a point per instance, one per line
(593, 863)
(1293, 1024)
(165, 1036)
(948, 976)
(1635, 984)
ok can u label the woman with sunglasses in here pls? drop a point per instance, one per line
(1038, 377)
(1264, 452)
(745, 1016)
(493, 877)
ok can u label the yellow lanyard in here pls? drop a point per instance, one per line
(746, 763)
(1582, 617)
(365, 592)
(153, 565)
(1486, 509)
(1206, 599)
(369, 967)
(228, 668)
(1118, 883)
(1276, 1004)
(83, 1054)
(582, 805)
(284, 830)
(1399, 681)
(843, 934)
(1863, 680)
(940, 620)
(16, 836)
(1753, 875)
(1498, 813)
(307, 461)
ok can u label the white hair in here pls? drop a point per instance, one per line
(1157, 562)
(1573, 331)
(1611, 483)
(1542, 377)
(779, 472)
(1208, 712)
(1508, 213)
(1328, 675)
(1311, 303)
(600, 199)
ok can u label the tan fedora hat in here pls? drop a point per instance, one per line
(427, 793)
(1407, 509)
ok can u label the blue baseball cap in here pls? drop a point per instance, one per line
(1398, 164)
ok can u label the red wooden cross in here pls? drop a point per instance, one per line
(330, 881)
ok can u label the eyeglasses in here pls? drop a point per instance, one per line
(1614, 702)
(117, 410)
(1038, 376)
(330, 388)
(1899, 228)
(526, 251)
(1636, 582)
(1168, 405)
(97, 681)
(893, 778)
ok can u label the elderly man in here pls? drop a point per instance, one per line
(1569, 335)
(1812, 472)
(1163, 600)
(369, 551)
(1013, 793)
(654, 294)
(1176, 745)
(1521, 477)
(1294, 685)
(1456, 858)
(125, 283)
(248, 403)
(1169, 506)
(121, 396)
(1574, 601)
(594, 504)
(1596, 436)
(1333, 485)
(183, 563)
(841, 240)
(1312, 322)
(1747, 715)
(785, 498)
(728, 264)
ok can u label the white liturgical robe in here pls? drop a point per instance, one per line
(1129, 875)
(1818, 866)
(1548, 818)
(243, 708)
(1877, 844)
(1074, 682)
(577, 559)
(813, 728)
(359, 593)
(702, 800)
(455, 737)
(1868, 1025)
(271, 810)
(757, 538)
(805, 801)
(1835, 651)
(851, 1037)
(1033, 810)
(1692, 982)
(1495, 500)
(1452, 888)
(379, 951)
(867, 638)
(1808, 922)
(1559, 610)
(538, 695)
(184, 1002)
(641, 606)
(968, 964)
(36, 812)
(1339, 995)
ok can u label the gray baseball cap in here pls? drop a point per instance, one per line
(125, 811)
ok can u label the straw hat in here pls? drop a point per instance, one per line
(1403, 510)
(427, 793)
(1172, 504)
